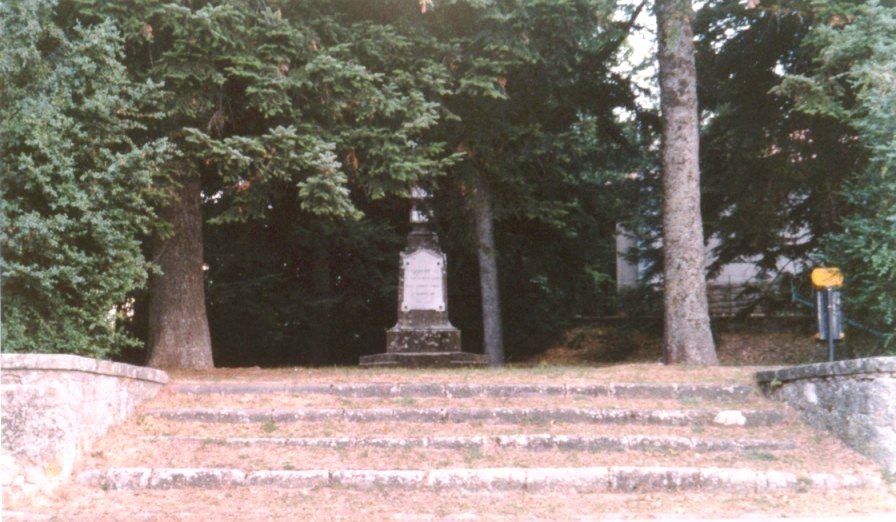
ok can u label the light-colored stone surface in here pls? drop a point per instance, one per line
(205, 478)
(856, 400)
(730, 418)
(492, 415)
(715, 392)
(55, 406)
(618, 479)
(529, 442)
(582, 480)
(482, 479)
(116, 478)
(289, 478)
(370, 479)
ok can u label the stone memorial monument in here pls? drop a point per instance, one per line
(423, 336)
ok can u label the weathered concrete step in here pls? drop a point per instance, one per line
(535, 442)
(453, 390)
(486, 415)
(619, 479)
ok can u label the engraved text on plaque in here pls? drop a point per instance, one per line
(423, 282)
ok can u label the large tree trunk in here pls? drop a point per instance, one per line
(687, 338)
(488, 273)
(178, 325)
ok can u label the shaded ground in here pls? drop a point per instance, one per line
(739, 342)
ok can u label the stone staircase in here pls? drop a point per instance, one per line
(475, 441)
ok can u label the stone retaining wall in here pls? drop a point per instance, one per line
(54, 407)
(855, 400)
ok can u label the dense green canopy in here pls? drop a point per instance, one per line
(76, 188)
(309, 121)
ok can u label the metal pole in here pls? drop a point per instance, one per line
(829, 292)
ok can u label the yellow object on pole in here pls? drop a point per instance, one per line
(827, 277)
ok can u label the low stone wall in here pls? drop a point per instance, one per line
(54, 407)
(855, 400)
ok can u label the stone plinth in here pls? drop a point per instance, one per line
(855, 400)
(423, 335)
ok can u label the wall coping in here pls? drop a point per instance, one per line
(67, 362)
(869, 365)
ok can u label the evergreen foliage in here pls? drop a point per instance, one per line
(771, 172)
(856, 56)
(309, 121)
(534, 94)
(298, 116)
(76, 189)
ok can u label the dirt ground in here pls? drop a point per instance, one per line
(752, 341)
(324, 504)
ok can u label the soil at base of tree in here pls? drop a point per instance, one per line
(751, 341)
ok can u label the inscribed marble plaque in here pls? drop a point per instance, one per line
(423, 282)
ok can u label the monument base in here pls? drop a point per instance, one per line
(443, 338)
(423, 346)
(424, 360)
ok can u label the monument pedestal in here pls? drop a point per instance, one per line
(423, 336)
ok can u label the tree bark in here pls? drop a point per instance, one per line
(493, 338)
(178, 325)
(687, 337)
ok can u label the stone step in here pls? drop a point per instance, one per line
(617, 479)
(534, 442)
(454, 390)
(484, 415)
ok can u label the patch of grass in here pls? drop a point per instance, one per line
(288, 467)
(534, 421)
(474, 453)
(688, 401)
(803, 484)
(762, 456)
(269, 427)
(406, 401)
